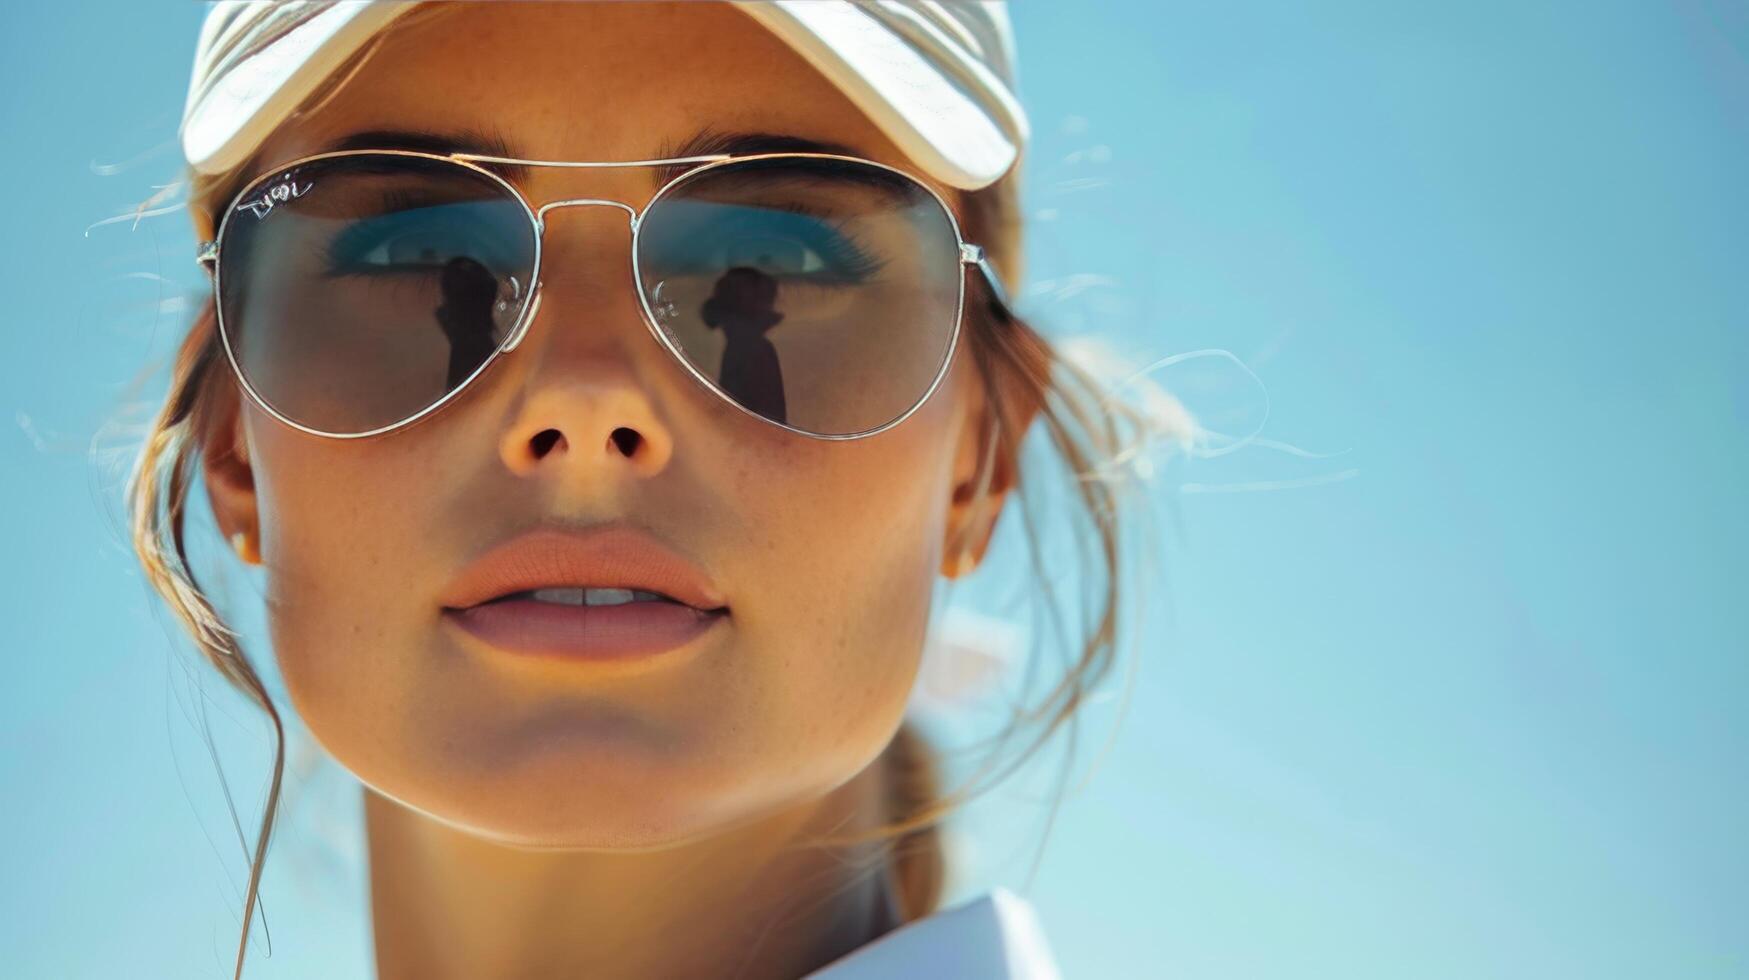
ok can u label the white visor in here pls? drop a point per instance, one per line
(936, 77)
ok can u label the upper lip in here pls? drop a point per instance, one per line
(613, 556)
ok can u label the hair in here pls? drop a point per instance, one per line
(1025, 379)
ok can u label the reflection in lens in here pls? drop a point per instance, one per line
(743, 308)
(820, 294)
(469, 291)
(371, 287)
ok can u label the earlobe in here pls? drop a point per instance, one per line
(230, 486)
(977, 500)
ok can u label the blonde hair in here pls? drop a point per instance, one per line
(1024, 376)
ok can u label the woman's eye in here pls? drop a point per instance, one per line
(418, 239)
(772, 254)
(411, 249)
(785, 244)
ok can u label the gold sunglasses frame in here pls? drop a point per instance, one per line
(207, 254)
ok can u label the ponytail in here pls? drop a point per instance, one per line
(916, 861)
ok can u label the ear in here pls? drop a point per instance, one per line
(984, 470)
(230, 485)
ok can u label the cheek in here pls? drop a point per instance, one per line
(836, 578)
(350, 588)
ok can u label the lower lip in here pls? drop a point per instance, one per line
(620, 632)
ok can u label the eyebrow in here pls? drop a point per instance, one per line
(487, 141)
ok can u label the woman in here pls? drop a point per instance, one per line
(620, 651)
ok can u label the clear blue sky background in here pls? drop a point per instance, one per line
(1463, 697)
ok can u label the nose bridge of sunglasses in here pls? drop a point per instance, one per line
(540, 217)
(540, 213)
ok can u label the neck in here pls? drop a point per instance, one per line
(747, 902)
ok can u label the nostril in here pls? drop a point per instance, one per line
(544, 442)
(625, 439)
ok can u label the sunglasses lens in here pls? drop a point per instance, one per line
(358, 291)
(821, 294)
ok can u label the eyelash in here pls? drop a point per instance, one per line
(848, 251)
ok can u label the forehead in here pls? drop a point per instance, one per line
(586, 81)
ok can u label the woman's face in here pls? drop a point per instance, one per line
(825, 552)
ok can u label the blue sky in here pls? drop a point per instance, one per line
(1457, 689)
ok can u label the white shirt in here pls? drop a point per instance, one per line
(995, 936)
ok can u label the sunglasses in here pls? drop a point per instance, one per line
(359, 291)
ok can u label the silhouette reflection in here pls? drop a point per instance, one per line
(469, 292)
(743, 307)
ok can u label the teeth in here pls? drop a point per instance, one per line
(594, 597)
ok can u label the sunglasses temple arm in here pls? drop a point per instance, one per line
(207, 255)
(974, 255)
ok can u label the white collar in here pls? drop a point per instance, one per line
(995, 936)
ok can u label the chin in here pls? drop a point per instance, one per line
(581, 798)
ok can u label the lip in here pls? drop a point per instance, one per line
(615, 556)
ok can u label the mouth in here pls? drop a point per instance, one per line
(612, 593)
(585, 596)
(586, 623)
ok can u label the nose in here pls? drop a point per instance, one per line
(585, 412)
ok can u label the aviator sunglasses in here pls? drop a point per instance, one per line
(359, 291)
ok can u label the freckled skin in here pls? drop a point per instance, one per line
(826, 551)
